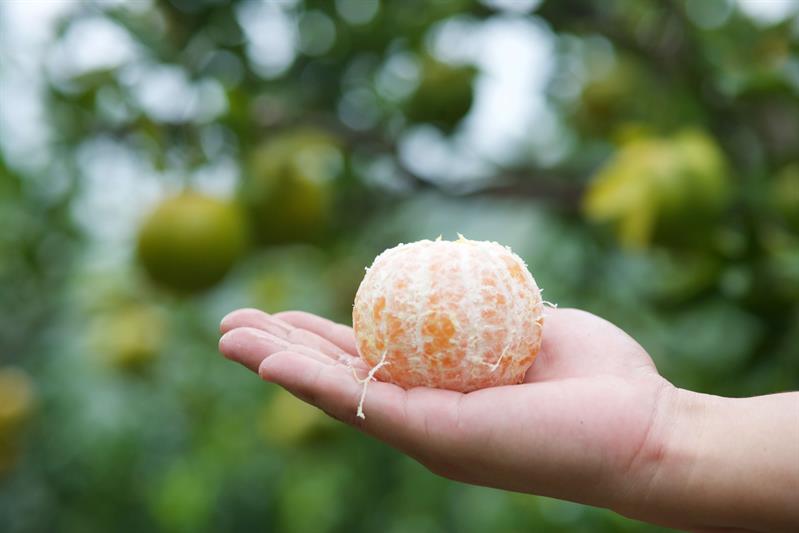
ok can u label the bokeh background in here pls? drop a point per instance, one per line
(164, 162)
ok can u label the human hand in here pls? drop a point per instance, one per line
(583, 426)
(593, 422)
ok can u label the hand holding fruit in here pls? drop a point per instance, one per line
(592, 421)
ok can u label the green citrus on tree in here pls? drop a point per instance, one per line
(287, 421)
(665, 190)
(629, 91)
(785, 194)
(444, 94)
(191, 241)
(16, 400)
(288, 190)
(130, 337)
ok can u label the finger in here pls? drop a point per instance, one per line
(250, 346)
(421, 422)
(339, 334)
(258, 319)
(246, 317)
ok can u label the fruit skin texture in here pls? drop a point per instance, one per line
(191, 241)
(459, 315)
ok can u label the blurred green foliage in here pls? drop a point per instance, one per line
(203, 156)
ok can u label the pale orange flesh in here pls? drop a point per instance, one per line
(459, 315)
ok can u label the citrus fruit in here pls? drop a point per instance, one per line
(459, 315)
(785, 193)
(288, 190)
(287, 421)
(129, 338)
(191, 241)
(444, 94)
(16, 398)
(669, 190)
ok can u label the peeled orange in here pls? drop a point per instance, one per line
(459, 315)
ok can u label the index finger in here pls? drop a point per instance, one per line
(339, 334)
(255, 318)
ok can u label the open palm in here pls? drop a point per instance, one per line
(581, 427)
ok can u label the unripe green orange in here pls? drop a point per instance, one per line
(16, 399)
(288, 189)
(191, 241)
(129, 338)
(661, 189)
(785, 195)
(287, 421)
(444, 94)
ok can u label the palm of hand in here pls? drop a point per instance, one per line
(575, 429)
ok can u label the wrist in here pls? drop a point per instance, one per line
(656, 478)
(713, 462)
(678, 456)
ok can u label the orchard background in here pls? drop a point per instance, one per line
(162, 163)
